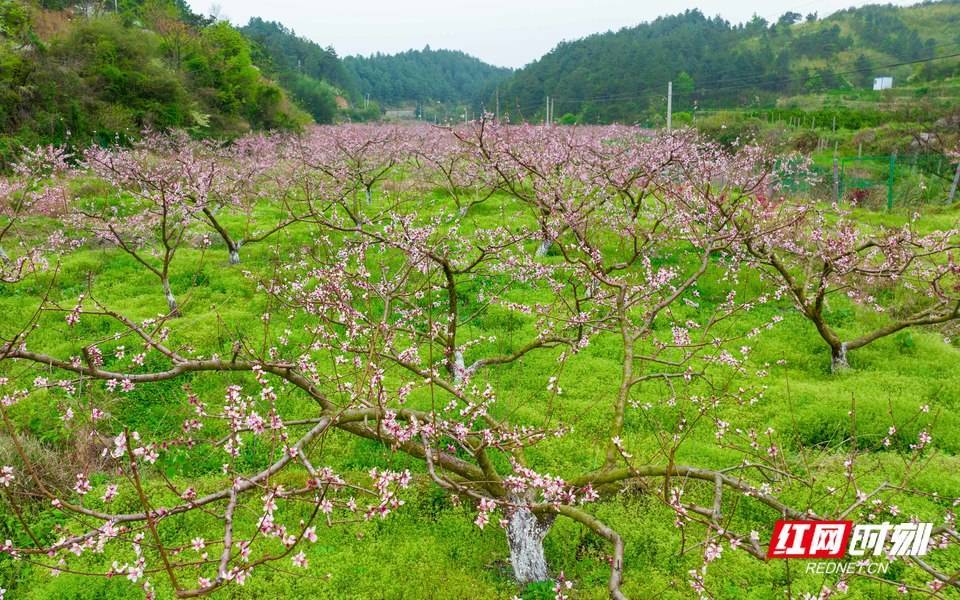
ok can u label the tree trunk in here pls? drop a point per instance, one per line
(544, 248)
(232, 247)
(525, 533)
(174, 310)
(369, 195)
(838, 358)
(458, 367)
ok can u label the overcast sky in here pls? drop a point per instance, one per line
(509, 33)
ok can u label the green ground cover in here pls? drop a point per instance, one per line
(430, 548)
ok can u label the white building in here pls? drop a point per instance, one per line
(882, 83)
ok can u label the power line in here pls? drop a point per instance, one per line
(749, 81)
(870, 68)
(754, 81)
(720, 83)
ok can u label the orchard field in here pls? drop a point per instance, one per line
(491, 361)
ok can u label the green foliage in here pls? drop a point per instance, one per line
(426, 76)
(99, 78)
(430, 547)
(221, 66)
(683, 89)
(316, 97)
(14, 20)
(749, 65)
(314, 76)
(284, 53)
(359, 113)
(108, 77)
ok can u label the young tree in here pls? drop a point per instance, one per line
(652, 239)
(165, 18)
(359, 155)
(290, 496)
(152, 208)
(233, 179)
(544, 168)
(456, 168)
(898, 275)
(23, 195)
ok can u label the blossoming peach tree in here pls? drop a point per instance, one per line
(821, 253)
(378, 324)
(25, 194)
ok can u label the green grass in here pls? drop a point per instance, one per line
(430, 548)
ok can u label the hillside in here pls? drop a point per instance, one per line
(426, 75)
(622, 75)
(315, 76)
(72, 74)
(70, 77)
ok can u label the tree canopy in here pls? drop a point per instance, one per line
(426, 75)
(622, 75)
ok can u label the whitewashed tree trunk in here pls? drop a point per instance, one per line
(232, 247)
(838, 359)
(459, 368)
(525, 533)
(171, 299)
(544, 248)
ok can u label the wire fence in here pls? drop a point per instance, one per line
(882, 181)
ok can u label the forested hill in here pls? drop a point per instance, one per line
(76, 75)
(425, 76)
(622, 75)
(313, 75)
(78, 72)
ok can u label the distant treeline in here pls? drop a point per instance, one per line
(426, 75)
(622, 75)
(81, 72)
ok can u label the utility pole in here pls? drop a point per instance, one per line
(546, 115)
(498, 103)
(669, 106)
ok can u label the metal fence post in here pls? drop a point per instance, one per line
(893, 166)
(836, 180)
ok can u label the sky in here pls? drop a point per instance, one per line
(509, 33)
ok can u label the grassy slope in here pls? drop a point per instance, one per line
(431, 549)
(937, 20)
